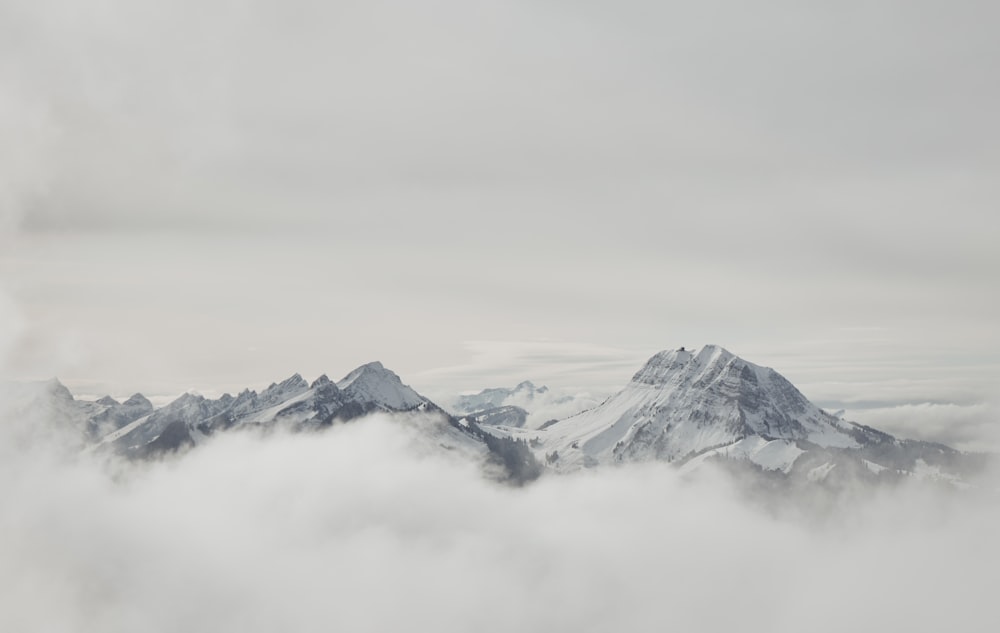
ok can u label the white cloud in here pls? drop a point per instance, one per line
(974, 427)
(566, 365)
(360, 529)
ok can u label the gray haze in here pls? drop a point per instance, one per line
(212, 195)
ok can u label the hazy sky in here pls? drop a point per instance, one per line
(211, 195)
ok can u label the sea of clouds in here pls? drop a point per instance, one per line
(370, 527)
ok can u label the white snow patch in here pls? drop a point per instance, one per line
(820, 472)
(125, 430)
(779, 455)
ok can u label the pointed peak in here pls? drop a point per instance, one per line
(661, 363)
(321, 381)
(186, 398)
(245, 397)
(529, 388)
(107, 401)
(666, 363)
(373, 383)
(374, 368)
(137, 399)
(715, 352)
(295, 380)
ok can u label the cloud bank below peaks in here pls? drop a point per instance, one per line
(367, 527)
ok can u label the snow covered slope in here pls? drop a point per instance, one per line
(291, 404)
(682, 403)
(375, 384)
(690, 407)
(539, 404)
(685, 407)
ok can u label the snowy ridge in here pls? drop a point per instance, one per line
(539, 404)
(690, 408)
(292, 404)
(374, 383)
(682, 403)
(695, 407)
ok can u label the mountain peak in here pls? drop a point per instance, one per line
(369, 370)
(295, 381)
(187, 397)
(373, 383)
(715, 350)
(666, 365)
(321, 381)
(661, 365)
(529, 388)
(107, 401)
(137, 399)
(289, 386)
(683, 402)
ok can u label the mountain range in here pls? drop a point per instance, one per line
(525, 405)
(684, 407)
(689, 407)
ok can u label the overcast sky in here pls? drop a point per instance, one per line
(211, 195)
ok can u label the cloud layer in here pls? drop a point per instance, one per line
(369, 528)
(970, 427)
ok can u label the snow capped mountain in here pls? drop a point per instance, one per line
(684, 407)
(115, 415)
(682, 403)
(295, 405)
(525, 405)
(292, 404)
(498, 396)
(500, 416)
(279, 392)
(50, 402)
(689, 407)
(374, 383)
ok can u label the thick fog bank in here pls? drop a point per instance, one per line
(368, 527)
